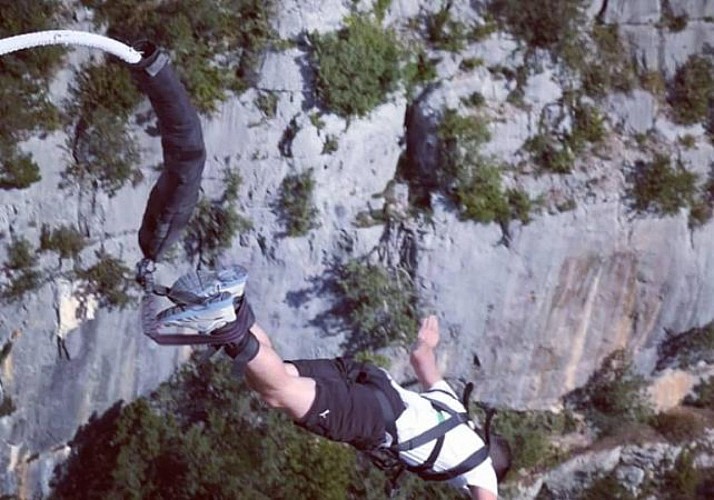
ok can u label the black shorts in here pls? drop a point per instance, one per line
(346, 408)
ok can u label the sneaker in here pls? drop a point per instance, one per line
(205, 317)
(196, 287)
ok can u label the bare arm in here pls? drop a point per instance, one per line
(423, 357)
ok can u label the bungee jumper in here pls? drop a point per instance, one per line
(427, 433)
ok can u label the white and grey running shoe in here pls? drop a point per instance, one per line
(196, 287)
(211, 314)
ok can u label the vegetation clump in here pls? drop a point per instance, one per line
(356, 67)
(531, 433)
(67, 241)
(215, 223)
(443, 32)
(108, 280)
(691, 90)
(546, 24)
(687, 348)
(214, 44)
(470, 179)
(295, 203)
(24, 83)
(378, 304)
(21, 265)
(613, 396)
(661, 188)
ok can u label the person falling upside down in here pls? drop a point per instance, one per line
(352, 402)
(339, 399)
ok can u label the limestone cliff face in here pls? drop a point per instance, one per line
(539, 314)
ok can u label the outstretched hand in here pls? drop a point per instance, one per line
(429, 332)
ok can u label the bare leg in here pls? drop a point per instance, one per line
(277, 382)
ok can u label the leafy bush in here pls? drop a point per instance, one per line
(479, 193)
(215, 223)
(607, 486)
(26, 281)
(661, 188)
(356, 67)
(687, 348)
(549, 154)
(612, 396)
(267, 103)
(295, 203)
(703, 395)
(530, 436)
(20, 255)
(106, 88)
(109, 281)
(331, 145)
(682, 479)
(377, 305)
(67, 241)
(17, 170)
(691, 89)
(104, 153)
(214, 44)
(588, 127)
(443, 32)
(24, 84)
(606, 68)
(545, 24)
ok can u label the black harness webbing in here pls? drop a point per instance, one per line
(436, 433)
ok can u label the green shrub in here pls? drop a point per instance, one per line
(17, 170)
(24, 282)
(681, 481)
(545, 24)
(607, 486)
(530, 436)
(607, 68)
(267, 103)
(687, 348)
(588, 127)
(443, 32)
(105, 155)
(214, 44)
(356, 67)
(295, 204)
(24, 83)
(418, 70)
(21, 255)
(691, 89)
(703, 395)
(215, 223)
(614, 395)
(549, 154)
(479, 193)
(67, 241)
(331, 145)
(25, 106)
(109, 281)
(106, 88)
(378, 305)
(662, 189)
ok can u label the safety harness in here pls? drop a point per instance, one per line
(388, 460)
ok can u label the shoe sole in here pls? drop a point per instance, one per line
(221, 307)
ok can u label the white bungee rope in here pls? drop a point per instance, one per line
(69, 37)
